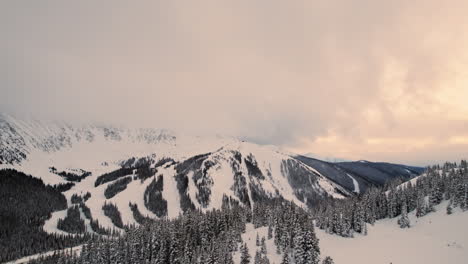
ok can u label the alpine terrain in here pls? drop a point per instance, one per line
(81, 187)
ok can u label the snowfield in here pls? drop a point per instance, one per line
(433, 239)
(436, 238)
(250, 237)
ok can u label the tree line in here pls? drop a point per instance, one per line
(439, 183)
(208, 237)
(26, 203)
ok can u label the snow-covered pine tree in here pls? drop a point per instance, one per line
(285, 258)
(258, 258)
(449, 208)
(392, 203)
(364, 229)
(347, 230)
(305, 247)
(285, 239)
(404, 221)
(270, 232)
(336, 222)
(245, 256)
(421, 209)
(312, 244)
(328, 260)
(263, 246)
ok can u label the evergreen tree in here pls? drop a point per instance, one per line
(328, 260)
(305, 247)
(263, 246)
(404, 221)
(285, 259)
(449, 209)
(270, 232)
(245, 256)
(258, 258)
(421, 208)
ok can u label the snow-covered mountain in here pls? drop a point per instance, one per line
(122, 166)
(21, 139)
(158, 173)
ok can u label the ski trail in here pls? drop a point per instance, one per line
(23, 260)
(356, 184)
(170, 192)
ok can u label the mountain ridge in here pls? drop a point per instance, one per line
(160, 173)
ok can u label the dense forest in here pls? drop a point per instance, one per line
(153, 198)
(72, 223)
(210, 237)
(69, 176)
(116, 187)
(439, 183)
(110, 210)
(26, 203)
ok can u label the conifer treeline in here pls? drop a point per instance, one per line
(209, 237)
(26, 202)
(344, 217)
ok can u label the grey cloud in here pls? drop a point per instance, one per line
(271, 71)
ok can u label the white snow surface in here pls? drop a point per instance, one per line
(250, 237)
(170, 192)
(433, 239)
(50, 224)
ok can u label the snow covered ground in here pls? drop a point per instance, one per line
(433, 239)
(250, 237)
(75, 250)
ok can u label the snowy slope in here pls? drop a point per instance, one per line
(250, 236)
(74, 250)
(433, 239)
(203, 169)
(22, 139)
(277, 177)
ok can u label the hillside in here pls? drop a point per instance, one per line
(120, 166)
(358, 176)
(114, 178)
(433, 239)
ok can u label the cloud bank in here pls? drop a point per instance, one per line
(377, 80)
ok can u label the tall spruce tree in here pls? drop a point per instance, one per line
(404, 221)
(245, 256)
(328, 260)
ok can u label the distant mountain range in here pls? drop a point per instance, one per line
(324, 158)
(359, 175)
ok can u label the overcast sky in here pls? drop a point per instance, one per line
(361, 79)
